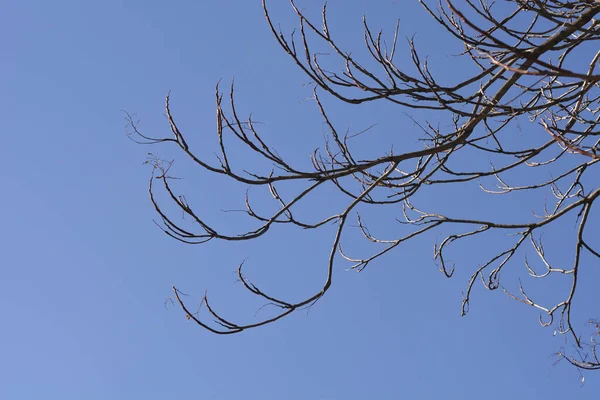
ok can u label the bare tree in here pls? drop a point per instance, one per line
(528, 67)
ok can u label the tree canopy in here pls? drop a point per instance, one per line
(531, 66)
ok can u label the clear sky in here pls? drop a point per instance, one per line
(85, 272)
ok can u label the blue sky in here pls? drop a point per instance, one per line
(85, 272)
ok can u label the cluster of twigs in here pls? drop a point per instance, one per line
(539, 60)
